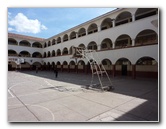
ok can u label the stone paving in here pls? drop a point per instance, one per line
(40, 97)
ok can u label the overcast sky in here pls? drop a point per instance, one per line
(47, 22)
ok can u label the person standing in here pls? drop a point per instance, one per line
(56, 72)
(36, 69)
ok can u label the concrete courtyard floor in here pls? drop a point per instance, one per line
(40, 97)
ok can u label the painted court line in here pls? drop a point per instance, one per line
(49, 84)
(39, 106)
(9, 89)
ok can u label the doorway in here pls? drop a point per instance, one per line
(124, 70)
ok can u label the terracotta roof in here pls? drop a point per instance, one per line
(12, 35)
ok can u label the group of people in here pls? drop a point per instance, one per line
(55, 71)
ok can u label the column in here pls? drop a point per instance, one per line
(113, 45)
(86, 31)
(61, 68)
(133, 71)
(68, 68)
(76, 68)
(98, 47)
(99, 28)
(113, 70)
(86, 69)
(133, 17)
(133, 42)
(113, 23)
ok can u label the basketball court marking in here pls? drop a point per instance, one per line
(45, 109)
(9, 89)
(48, 84)
(39, 106)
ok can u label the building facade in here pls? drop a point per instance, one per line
(126, 40)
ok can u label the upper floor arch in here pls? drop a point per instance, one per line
(24, 53)
(106, 24)
(53, 53)
(37, 55)
(53, 42)
(45, 45)
(73, 35)
(145, 12)
(37, 45)
(65, 38)
(49, 54)
(93, 28)
(81, 45)
(12, 41)
(92, 46)
(106, 44)
(123, 41)
(49, 43)
(81, 32)
(65, 51)
(146, 37)
(12, 53)
(123, 18)
(25, 43)
(58, 52)
(59, 40)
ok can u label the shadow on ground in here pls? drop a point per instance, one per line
(146, 89)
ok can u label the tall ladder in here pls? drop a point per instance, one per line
(97, 68)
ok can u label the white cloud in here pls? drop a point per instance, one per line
(10, 29)
(9, 15)
(21, 23)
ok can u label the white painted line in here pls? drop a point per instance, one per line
(45, 109)
(16, 85)
(36, 106)
(9, 89)
(11, 93)
(49, 84)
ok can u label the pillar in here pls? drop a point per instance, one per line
(113, 45)
(68, 68)
(113, 70)
(76, 35)
(76, 68)
(133, 42)
(86, 31)
(31, 67)
(113, 23)
(86, 69)
(99, 28)
(61, 68)
(133, 17)
(134, 71)
(98, 47)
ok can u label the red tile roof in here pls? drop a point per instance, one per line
(12, 35)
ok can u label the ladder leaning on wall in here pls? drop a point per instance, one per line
(97, 68)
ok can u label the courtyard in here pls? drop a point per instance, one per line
(40, 97)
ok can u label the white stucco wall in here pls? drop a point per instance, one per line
(131, 29)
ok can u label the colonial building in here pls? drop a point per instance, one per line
(126, 40)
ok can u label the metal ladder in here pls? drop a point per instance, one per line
(96, 68)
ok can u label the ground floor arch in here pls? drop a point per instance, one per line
(72, 66)
(12, 65)
(123, 67)
(65, 66)
(143, 66)
(58, 66)
(146, 67)
(36, 65)
(107, 65)
(81, 66)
